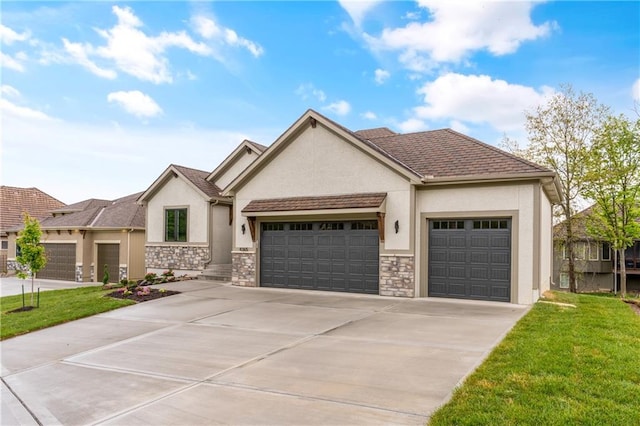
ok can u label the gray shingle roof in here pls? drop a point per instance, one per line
(90, 203)
(121, 213)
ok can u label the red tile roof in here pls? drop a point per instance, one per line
(350, 201)
(14, 201)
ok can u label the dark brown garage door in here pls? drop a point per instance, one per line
(61, 262)
(108, 254)
(470, 259)
(332, 256)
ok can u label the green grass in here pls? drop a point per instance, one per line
(559, 365)
(56, 307)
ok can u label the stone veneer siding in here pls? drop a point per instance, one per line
(243, 269)
(79, 273)
(122, 272)
(397, 275)
(176, 257)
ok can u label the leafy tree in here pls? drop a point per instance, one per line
(560, 134)
(613, 183)
(32, 256)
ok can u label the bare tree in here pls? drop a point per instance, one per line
(560, 135)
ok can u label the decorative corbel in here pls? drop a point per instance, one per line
(313, 122)
(252, 227)
(230, 214)
(83, 232)
(381, 225)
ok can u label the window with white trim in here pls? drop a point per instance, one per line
(606, 251)
(175, 225)
(593, 251)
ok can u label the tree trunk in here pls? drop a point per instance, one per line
(571, 254)
(33, 276)
(623, 273)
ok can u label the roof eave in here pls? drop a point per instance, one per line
(231, 158)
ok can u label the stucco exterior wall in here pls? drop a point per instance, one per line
(318, 162)
(237, 167)
(486, 200)
(221, 234)
(546, 243)
(176, 193)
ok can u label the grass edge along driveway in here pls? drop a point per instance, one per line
(56, 307)
(558, 365)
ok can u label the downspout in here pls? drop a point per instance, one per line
(209, 233)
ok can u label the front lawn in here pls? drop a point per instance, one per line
(56, 307)
(559, 365)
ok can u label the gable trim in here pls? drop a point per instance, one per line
(309, 118)
(169, 173)
(233, 157)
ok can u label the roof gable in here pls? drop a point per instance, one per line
(197, 179)
(313, 119)
(245, 148)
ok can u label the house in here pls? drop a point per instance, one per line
(14, 202)
(189, 221)
(81, 238)
(427, 214)
(594, 260)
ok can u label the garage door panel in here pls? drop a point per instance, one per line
(478, 269)
(336, 257)
(61, 262)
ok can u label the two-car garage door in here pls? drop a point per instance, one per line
(470, 259)
(61, 262)
(332, 256)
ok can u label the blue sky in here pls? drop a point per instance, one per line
(98, 98)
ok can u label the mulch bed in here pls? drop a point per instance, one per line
(152, 295)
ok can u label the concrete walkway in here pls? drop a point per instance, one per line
(228, 355)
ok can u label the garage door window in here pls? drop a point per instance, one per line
(331, 226)
(448, 224)
(491, 224)
(175, 225)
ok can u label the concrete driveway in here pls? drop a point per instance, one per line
(13, 285)
(228, 355)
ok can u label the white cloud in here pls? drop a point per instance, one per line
(369, 115)
(74, 147)
(458, 126)
(136, 103)
(9, 36)
(635, 91)
(357, 9)
(381, 76)
(458, 28)
(412, 125)
(307, 90)
(207, 28)
(478, 99)
(10, 109)
(340, 107)
(9, 91)
(131, 51)
(78, 53)
(6, 61)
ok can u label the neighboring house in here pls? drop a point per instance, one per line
(427, 214)
(188, 221)
(594, 260)
(80, 239)
(13, 203)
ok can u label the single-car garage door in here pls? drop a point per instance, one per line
(470, 259)
(61, 262)
(332, 256)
